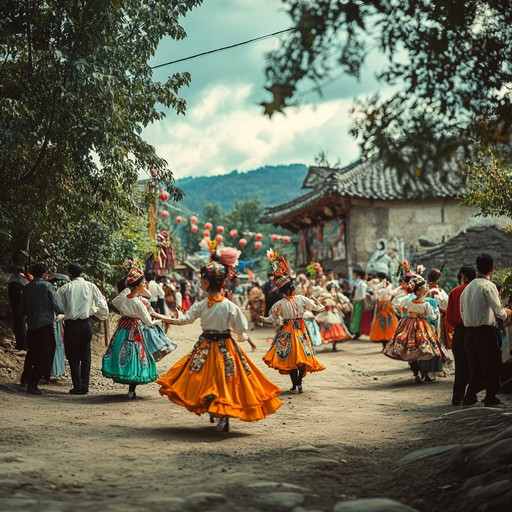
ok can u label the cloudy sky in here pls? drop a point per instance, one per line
(224, 128)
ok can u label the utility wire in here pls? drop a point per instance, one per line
(260, 38)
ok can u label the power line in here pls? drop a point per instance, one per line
(260, 38)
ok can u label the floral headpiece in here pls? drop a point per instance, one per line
(314, 268)
(280, 268)
(134, 274)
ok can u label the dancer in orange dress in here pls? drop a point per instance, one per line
(292, 351)
(384, 321)
(217, 376)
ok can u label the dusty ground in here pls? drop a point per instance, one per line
(341, 439)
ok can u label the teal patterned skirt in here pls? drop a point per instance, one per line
(127, 359)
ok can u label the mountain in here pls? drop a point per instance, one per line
(274, 185)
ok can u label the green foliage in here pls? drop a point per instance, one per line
(489, 184)
(504, 277)
(444, 62)
(76, 92)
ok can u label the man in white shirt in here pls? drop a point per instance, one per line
(359, 299)
(479, 307)
(82, 300)
(157, 292)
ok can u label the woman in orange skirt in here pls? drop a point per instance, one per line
(385, 320)
(217, 377)
(292, 351)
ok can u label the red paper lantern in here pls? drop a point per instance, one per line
(274, 238)
(164, 214)
(258, 236)
(164, 195)
(193, 220)
(242, 242)
(208, 225)
(286, 239)
(179, 219)
(206, 233)
(250, 234)
(220, 229)
(257, 244)
(219, 239)
(233, 233)
(193, 228)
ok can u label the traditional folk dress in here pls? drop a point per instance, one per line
(385, 320)
(332, 327)
(359, 289)
(414, 339)
(313, 328)
(217, 376)
(292, 346)
(128, 359)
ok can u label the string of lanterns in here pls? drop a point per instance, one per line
(208, 226)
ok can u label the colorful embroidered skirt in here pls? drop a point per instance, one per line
(314, 331)
(127, 359)
(384, 323)
(217, 377)
(157, 343)
(414, 340)
(291, 348)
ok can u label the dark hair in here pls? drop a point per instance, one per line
(419, 284)
(484, 263)
(382, 275)
(360, 272)
(39, 269)
(287, 288)
(134, 285)
(433, 275)
(468, 271)
(74, 269)
(149, 275)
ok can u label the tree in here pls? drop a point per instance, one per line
(449, 59)
(76, 91)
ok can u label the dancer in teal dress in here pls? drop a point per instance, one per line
(128, 359)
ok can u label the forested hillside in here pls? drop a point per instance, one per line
(271, 184)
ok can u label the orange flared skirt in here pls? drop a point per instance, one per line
(217, 377)
(291, 348)
(384, 322)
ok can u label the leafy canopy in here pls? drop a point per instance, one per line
(449, 60)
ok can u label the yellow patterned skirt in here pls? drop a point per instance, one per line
(291, 348)
(217, 377)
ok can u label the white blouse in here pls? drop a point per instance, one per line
(291, 308)
(221, 316)
(134, 308)
(422, 309)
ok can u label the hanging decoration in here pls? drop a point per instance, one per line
(274, 237)
(179, 219)
(257, 244)
(164, 214)
(286, 239)
(164, 258)
(206, 233)
(220, 229)
(233, 233)
(164, 195)
(193, 219)
(258, 236)
(208, 226)
(242, 242)
(250, 234)
(219, 239)
(193, 228)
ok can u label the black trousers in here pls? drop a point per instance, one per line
(40, 353)
(461, 379)
(77, 345)
(19, 329)
(484, 360)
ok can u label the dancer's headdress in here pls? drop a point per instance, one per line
(222, 264)
(280, 269)
(133, 275)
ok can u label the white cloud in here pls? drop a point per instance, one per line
(222, 133)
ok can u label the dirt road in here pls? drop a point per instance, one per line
(340, 439)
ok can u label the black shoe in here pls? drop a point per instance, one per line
(23, 383)
(34, 390)
(471, 401)
(76, 392)
(456, 402)
(293, 388)
(489, 402)
(299, 388)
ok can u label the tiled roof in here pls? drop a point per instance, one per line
(369, 180)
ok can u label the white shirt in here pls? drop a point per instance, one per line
(157, 292)
(421, 308)
(82, 300)
(480, 303)
(289, 309)
(221, 316)
(360, 287)
(134, 308)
